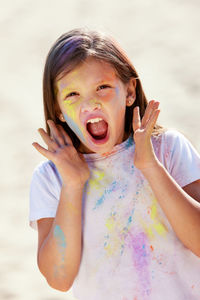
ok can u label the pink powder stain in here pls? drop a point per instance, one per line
(141, 260)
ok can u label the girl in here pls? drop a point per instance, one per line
(117, 200)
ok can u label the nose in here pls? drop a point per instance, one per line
(90, 105)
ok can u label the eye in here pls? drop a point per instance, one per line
(71, 94)
(103, 86)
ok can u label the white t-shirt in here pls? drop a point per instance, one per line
(130, 251)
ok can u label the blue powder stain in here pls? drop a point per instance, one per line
(107, 192)
(129, 219)
(99, 201)
(60, 237)
(132, 169)
(129, 142)
(74, 127)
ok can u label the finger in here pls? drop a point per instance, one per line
(148, 112)
(152, 106)
(136, 118)
(52, 145)
(42, 150)
(152, 120)
(55, 133)
(66, 137)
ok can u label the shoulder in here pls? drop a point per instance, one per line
(170, 134)
(176, 152)
(173, 135)
(170, 138)
(46, 170)
(45, 167)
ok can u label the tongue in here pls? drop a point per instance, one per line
(98, 129)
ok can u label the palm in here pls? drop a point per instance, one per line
(70, 164)
(144, 154)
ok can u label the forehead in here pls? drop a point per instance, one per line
(92, 70)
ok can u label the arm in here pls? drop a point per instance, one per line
(182, 211)
(59, 239)
(59, 253)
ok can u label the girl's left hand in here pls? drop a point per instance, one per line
(144, 156)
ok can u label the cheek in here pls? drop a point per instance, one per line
(70, 116)
(70, 111)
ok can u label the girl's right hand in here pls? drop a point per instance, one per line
(70, 164)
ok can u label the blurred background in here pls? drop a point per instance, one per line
(162, 39)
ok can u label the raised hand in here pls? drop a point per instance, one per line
(70, 164)
(144, 156)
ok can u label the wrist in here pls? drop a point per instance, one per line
(151, 168)
(73, 186)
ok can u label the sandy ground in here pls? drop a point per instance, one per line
(162, 39)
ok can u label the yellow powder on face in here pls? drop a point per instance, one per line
(70, 110)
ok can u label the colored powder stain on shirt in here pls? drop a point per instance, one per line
(117, 233)
(151, 247)
(157, 225)
(60, 237)
(101, 200)
(129, 219)
(113, 226)
(111, 221)
(141, 261)
(96, 181)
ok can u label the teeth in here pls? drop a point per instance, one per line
(94, 120)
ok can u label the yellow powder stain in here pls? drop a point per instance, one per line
(109, 250)
(115, 232)
(70, 110)
(160, 228)
(156, 226)
(110, 224)
(95, 182)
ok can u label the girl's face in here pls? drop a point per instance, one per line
(93, 101)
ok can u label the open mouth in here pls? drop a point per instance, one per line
(98, 129)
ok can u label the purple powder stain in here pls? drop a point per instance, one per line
(141, 261)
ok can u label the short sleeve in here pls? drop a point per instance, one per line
(181, 158)
(45, 190)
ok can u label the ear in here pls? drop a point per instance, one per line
(131, 92)
(61, 117)
(59, 114)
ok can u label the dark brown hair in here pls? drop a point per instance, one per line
(71, 49)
